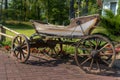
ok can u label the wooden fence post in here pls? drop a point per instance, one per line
(2, 30)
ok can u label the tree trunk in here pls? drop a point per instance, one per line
(79, 7)
(6, 7)
(1, 11)
(20, 16)
(38, 12)
(86, 7)
(25, 10)
(72, 12)
(6, 4)
(99, 2)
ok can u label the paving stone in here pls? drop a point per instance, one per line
(45, 70)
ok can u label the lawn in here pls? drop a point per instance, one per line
(20, 27)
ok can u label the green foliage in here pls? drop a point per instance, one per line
(58, 11)
(52, 11)
(87, 7)
(5, 43)
(118, 11)
(111, 22)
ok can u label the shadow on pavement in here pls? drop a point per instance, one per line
(112, 72)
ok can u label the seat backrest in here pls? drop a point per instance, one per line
(83, 19)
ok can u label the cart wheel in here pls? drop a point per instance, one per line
(95, 54)
(58, 50)
(52, 52)
(20, 47)
(66, 48)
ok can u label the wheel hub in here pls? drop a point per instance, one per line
(18, 48)
(94, 54)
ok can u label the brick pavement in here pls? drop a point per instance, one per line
(45, 70)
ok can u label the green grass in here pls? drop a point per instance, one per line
(20, 27)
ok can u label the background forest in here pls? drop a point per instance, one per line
(58, 12)
(52, 11)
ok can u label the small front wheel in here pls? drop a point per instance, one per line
(21, 48)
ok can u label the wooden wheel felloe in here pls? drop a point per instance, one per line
(95, 53)
(21, 48)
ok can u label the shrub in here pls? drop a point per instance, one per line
(111, 22)
(5, 43)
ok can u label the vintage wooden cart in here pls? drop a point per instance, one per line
(93, 52)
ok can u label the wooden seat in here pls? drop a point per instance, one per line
(78, 26)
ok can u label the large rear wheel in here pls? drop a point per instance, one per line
(95, 53)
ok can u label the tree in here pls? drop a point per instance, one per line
(118, 12)
(58, 12)
(86, 6)
(99, 2)
(72, 12)
(16, 9)
(111, 22)
(6, 7)
(53, 11)
(1, 11)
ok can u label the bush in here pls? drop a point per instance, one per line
(111, 22)
(5, 43)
